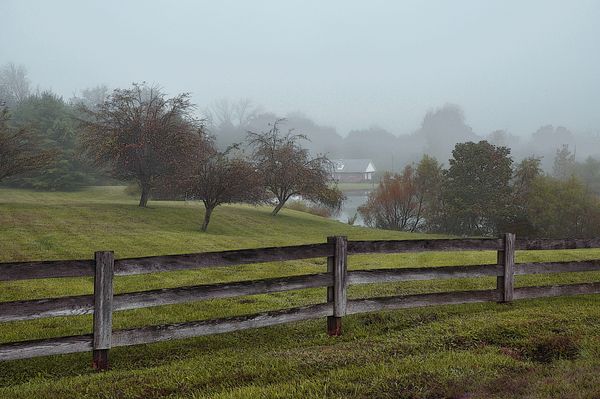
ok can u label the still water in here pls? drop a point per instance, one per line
(354, 199)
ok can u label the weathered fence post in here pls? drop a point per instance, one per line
(506, 257)
(103, 298)
(336, 294)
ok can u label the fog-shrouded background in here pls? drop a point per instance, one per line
(378, 79)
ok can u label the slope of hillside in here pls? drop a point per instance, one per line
(36, 225)
(533, 349)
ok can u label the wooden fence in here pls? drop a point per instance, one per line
(337, 278)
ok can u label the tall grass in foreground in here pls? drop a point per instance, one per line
(530, 349)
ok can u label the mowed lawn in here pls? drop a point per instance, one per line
(527, 349)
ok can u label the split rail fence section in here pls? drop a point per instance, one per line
(337, 278)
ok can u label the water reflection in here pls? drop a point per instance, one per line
(354, 199)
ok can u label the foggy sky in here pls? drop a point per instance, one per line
(511, 65)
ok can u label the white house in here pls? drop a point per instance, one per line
(353, 170)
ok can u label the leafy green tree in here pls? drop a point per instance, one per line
(525, 175)
(562, 209)
(48, 117)
(588, 172)
(20, 150)
(476, 193)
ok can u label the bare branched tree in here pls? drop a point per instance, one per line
(245, 111)
(140, 134)
(14, 84)
(564, 163)
(20, 150)
(223, 113)
(288, 169)
(91, 97)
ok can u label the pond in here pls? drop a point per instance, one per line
(354, 199)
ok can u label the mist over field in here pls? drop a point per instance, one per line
(380, 80)
(461, 106)
(299, 199)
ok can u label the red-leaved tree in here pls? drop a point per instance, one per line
(139, 134)
(221, 177)
(396, 204)
(288, 169)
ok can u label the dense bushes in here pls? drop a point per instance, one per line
(482, 193)
(54, 123)
(556, 208)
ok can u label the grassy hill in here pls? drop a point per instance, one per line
(67, 225)
(538, 348)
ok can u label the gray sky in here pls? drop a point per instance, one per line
(510, 64)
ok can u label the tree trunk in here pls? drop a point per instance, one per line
(280, 205)
(145, 196)
(418, 217)
(207, 213)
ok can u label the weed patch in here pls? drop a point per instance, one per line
(554, 347)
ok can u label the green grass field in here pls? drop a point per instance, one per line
(357, 186)
(528, 349)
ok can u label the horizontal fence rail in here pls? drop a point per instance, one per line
(421, 273)
(103, 302)
(396, 246)
(551, 244)
(84, 304)
(154, 264)
(83, 343)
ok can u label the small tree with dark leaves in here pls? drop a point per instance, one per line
(476, 194)
(288, 169)
(218, 178)
(140, 134)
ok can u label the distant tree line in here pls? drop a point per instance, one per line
(229, 121)
(483, 193)
(142, 136)
(439, 131)
(139, 135)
